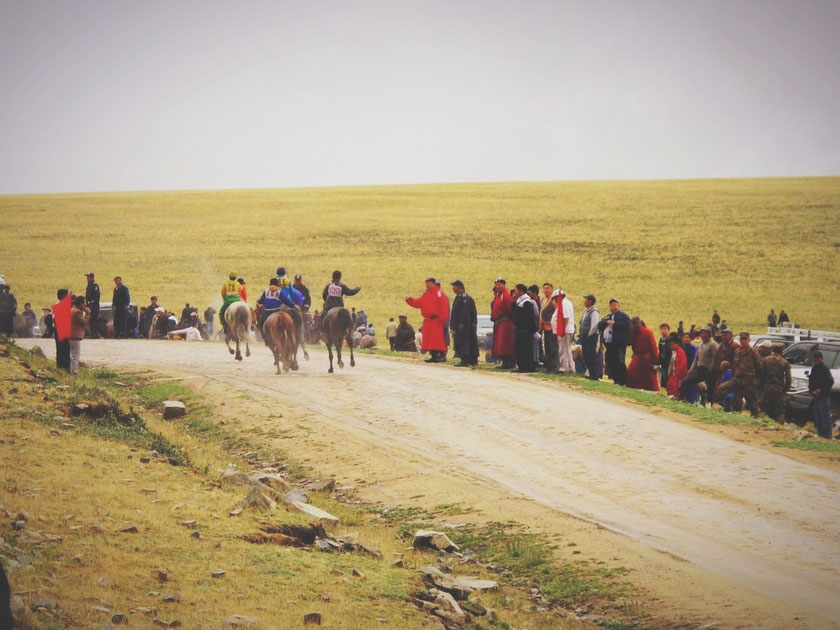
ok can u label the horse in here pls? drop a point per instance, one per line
(337, 327)
(297, 318)
(279, 335)
(238, 320)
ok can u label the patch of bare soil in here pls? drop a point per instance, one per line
(715, 527)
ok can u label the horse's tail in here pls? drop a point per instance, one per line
(241, 316)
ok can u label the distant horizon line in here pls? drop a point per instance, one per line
(414, 185)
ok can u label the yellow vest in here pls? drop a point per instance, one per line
(231, 287)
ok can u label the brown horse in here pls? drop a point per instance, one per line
(279, 334)
(337, 327)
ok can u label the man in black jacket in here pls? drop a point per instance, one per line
(463, 320)
(92, 298)
(120, 303)
(615, 331)
(524, 326)
(820, 382)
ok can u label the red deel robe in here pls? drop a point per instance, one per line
(435, 311)
(502, 309)
(640, 373)
(679, 373)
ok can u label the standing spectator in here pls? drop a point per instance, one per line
(92, 298)
(61, 322)
(391, 334)
(725, 352)
(304, 291)
(549, 338)
(771, 319)
(615, 330)
(588, 331)
(642, 372)
(681, 329)
(42, 321)
(746, 369)
(690, 352)
(79, 315)
(30, 320)
(186, 313)
(525, 325)
(446, 323)
(464, 323)
(335, 291)
(775, 381)
(536, 340)
(715, 320)
(433, 307)
(664, 353)
(783, 318)
(121, 302)
(677, 365)
(209, 315)
(564, 327)
(702, 367)
(8, 310)
(501, 313)
(820, 382)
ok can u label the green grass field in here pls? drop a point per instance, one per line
(670, 250)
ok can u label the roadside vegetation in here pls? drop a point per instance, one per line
(125, 517)
(670, 250)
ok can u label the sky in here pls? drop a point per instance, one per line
(158, 95)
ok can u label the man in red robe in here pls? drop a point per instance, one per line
(642, 374)
(501, 312)
(61, 323)
(434, 308)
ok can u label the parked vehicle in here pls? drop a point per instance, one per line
(485, 327)
(800, 357)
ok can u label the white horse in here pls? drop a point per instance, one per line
(238, 320)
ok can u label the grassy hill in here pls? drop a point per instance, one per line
(670, 250)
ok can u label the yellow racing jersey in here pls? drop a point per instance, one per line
(230, 288)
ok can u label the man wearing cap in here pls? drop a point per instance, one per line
(304, 291)
(404, 341)
(230, 294)
(92, 298)
(120, 302)
(464, 323)
(615, 330)
(725, 352)
(501, 313)
(434, 309)
(775, 381)
(746, 368)
(702, 367)
(588, 331)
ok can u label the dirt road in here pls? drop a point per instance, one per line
(750, 536)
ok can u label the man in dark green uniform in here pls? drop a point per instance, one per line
(747, 368)
(775, 381)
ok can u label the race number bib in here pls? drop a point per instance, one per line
(334, 290)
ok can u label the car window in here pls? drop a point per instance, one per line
(830, 357)
(799, 354)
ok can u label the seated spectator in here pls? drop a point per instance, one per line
(30, 320)
(405, 340)
(726, 376)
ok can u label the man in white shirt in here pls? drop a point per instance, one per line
(563, 323)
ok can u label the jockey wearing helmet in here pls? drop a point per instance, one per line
(282, 280)
(230, 294)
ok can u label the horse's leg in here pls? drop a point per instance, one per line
(300, 335)
(350, 343)
(238, 353)
(329, 351)
(247, 349)
(227, 343)
(338, 352)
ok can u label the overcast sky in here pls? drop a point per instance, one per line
(126, 95)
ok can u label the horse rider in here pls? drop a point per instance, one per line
(335, 291)
(230, 294)
(282, 280)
